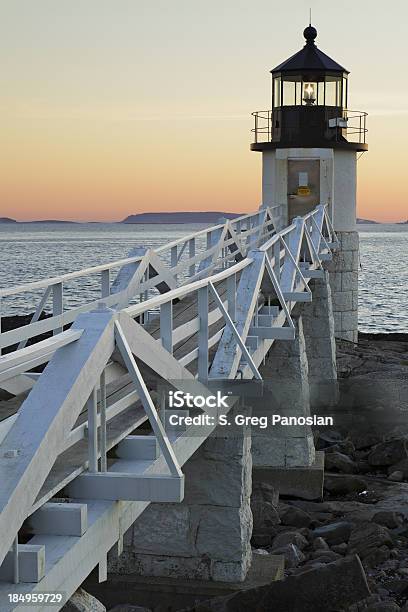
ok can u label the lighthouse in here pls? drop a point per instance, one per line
(310, 142)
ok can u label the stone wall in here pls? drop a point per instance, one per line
(286, 392)
(318, 329)
(343, 270)
(207, 536)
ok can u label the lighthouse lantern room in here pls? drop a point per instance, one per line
(309, 142)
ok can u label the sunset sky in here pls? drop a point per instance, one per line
(113, 107)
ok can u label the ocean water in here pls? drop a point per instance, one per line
(31, 252)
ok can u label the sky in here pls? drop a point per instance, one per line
(114, 107)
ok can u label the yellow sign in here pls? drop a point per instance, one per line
(303, 191)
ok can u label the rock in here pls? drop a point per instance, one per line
(289, 537)
(388, 519)
(312, 590)
(371, 542)
(346, 447)
(388, 453)
(82, 601)
(327, 438)
(310, 506)
(334, 533)
(320, 544)
(264, 501)
(401, 466)
(344, 484)
(396, 476)
(397, 586)
(341, 549)
(339, 462)
(266, 491)
(365, 440)
(260, 551)
(383, 606)
(363, 466)
(295, 517)
(293, 556)
(261, 540)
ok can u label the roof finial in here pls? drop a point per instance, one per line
(310, 32)
(310, 16)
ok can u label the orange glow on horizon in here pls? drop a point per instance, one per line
(99, 122)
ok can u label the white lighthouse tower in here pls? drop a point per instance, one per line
(309, 142)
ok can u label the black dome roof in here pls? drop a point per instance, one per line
(309, 58)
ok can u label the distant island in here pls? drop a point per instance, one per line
(9, 220)
(180, 217)
(366, 221)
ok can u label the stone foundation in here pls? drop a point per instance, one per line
(318, 330)
(286, 392)
(207, 536)
(343, 270)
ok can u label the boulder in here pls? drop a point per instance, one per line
(341, 549)
(388, 519)
(396, 476)
(316, 589)
(383, 606)
(293, 556)
(344, 484)
(289, 537)
(401, 466)
(345, 446)
(363, 440)
(264, 501)
(295, 517)
(338, 462)
(82, 601)
(320, 544)
(334, 533)
(371, 542)
(388, 453)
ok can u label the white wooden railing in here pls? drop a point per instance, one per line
(183, 260)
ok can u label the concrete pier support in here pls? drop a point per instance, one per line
(207, 536)
(343, 270)
(318, 329)
(285, 375)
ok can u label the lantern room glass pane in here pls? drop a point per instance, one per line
(277, 92)
(333, 91)
(344, 103)
(289, 97)
(320, 93)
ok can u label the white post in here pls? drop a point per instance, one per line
(57, 303)
(202, 300)
(232, 295)
(191, 252)
(173, 259)
(16, 569)
(166, 325)
(105, 283)
(92, 432)
(102, 412)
